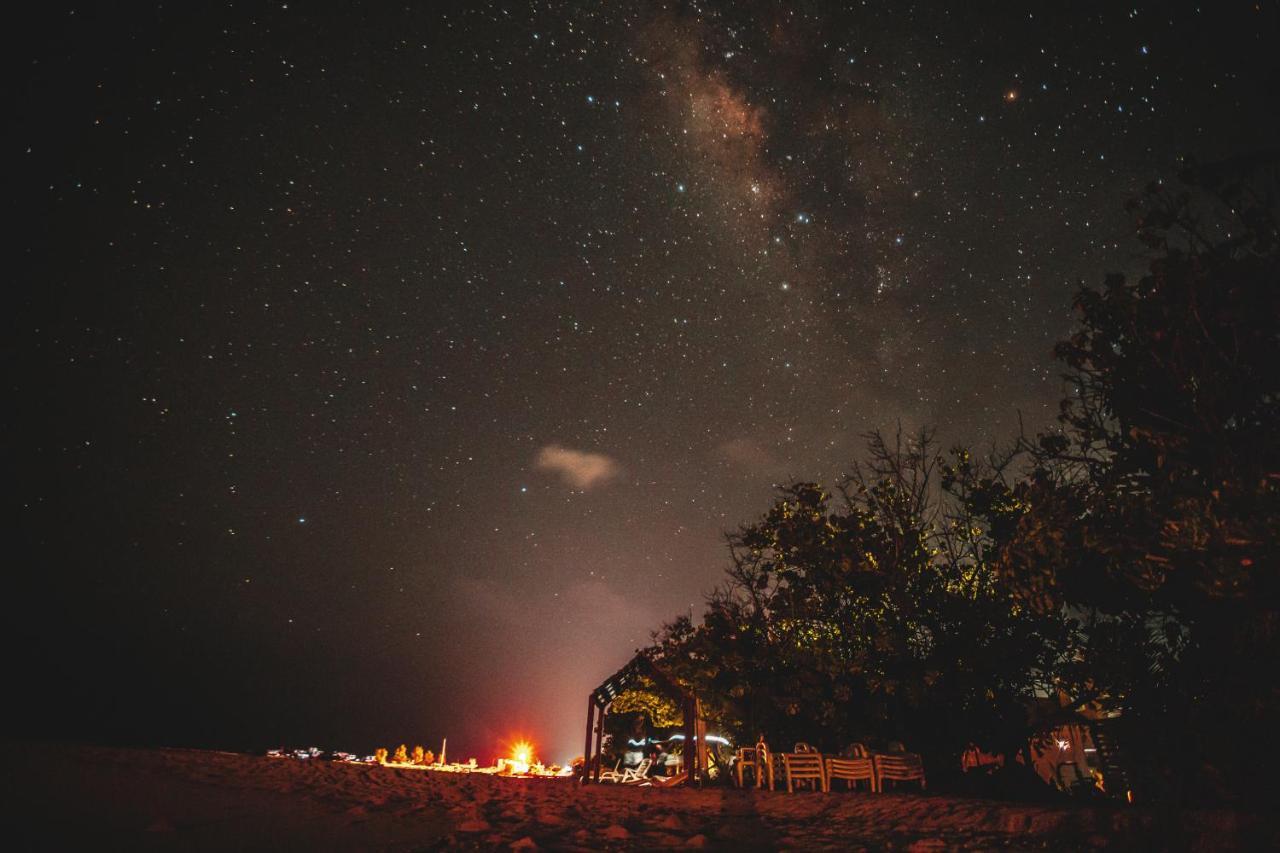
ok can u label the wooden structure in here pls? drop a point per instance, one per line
(695, 728)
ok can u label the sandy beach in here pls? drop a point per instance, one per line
(61, 797)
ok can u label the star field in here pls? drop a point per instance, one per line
(389, 373)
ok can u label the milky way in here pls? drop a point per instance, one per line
(389, 374)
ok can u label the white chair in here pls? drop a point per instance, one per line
(637, 774)
(614, 775)
(853, 768)
(746, 760)
(804, 767)
(898, 767)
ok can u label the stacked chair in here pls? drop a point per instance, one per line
(806, 767)
(897, 765)
(857, 766)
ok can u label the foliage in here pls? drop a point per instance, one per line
(643, 698)
(380, 755)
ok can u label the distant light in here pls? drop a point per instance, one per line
(524, 489)
(679, 188)
(302, 519)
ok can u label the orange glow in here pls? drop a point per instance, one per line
(521, 759)
(1011, 95)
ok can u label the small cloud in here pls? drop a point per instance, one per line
(578, 468)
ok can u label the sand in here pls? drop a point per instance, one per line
(63, 797)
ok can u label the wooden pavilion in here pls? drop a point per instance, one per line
(695, 728)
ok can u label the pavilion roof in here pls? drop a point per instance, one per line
(639, 666)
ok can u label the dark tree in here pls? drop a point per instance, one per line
(1153, 514)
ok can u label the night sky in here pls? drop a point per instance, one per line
(386, 374)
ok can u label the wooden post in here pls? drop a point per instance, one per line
(700, 727)
(690, 743)
(599, 741)
(586, 750)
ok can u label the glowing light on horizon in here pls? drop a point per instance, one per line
(521, 757)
